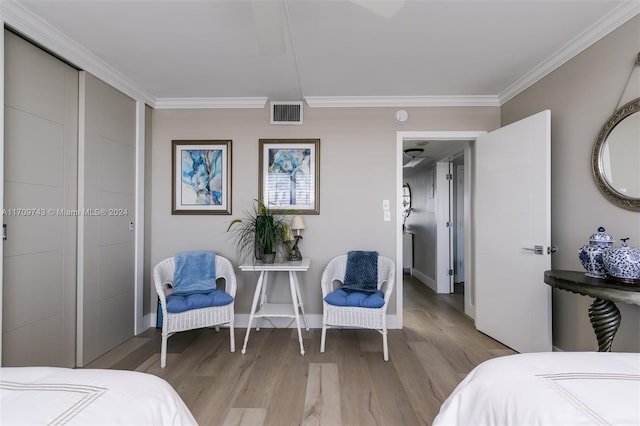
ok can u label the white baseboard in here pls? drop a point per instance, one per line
(149, 321)
(424, 279)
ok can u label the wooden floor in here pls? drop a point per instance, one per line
(349, 384)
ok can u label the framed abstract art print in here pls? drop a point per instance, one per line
(201, 177)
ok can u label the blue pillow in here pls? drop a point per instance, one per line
(340, 297)
(179, 303)
(361, 272)
(195, 272)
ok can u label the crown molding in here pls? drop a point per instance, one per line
(398, 101)
(591, 35)
(189, 103)
(22, 20)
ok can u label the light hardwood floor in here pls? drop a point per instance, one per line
(349, 384)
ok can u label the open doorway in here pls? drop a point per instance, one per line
(437, 169)
(455, 223)
(430, 235)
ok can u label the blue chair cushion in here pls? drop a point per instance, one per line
(180, 303)
(340, 297)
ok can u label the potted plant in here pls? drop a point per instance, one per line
(262, 233)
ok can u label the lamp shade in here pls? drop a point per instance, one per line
(297, 223)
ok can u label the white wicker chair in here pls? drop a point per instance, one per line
(350, 316)
(195, 318)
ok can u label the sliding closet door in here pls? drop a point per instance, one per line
(106, 237)
(40, 178)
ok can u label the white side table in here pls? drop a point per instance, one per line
(261, 308)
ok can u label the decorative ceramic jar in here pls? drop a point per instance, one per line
(623, 263)
(591, 254)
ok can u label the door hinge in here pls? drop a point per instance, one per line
(449, 176)
(450, 272)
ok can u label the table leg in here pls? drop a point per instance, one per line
(254, 304)
(263, 295)
(304, 317)
(294, 299)
(605, 320)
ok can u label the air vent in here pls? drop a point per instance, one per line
(286, 112)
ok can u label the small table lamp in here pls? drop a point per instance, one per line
(297, 224)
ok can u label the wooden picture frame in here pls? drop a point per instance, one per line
(201, 177)
(289, 175)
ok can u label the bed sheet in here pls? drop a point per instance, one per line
(555, 388)
(55, 396)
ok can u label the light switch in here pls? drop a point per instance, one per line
(385, 205)
(387, 216)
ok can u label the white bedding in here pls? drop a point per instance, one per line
(554, 388)
(55, 396)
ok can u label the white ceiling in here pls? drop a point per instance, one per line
(330, 53)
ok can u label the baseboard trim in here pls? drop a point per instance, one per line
(424, 279)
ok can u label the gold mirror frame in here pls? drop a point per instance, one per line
(621, 200)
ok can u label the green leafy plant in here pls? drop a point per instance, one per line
(260, 232)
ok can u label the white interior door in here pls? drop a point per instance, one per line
(450, 227)
(443, 231)
(459, 225)
(512, 216)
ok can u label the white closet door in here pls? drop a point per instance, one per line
(40, 178)
(106, 240)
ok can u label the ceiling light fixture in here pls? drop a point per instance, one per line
(413, 152)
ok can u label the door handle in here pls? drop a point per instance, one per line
(536, 249)
(552, 249)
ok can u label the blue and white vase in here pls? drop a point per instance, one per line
(590, 255)
(623, 263)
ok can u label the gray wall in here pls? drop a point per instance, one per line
(581, 95)
(422, 222)
(357, 171)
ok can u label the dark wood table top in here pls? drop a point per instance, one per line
(602, 288)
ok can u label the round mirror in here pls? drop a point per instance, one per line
(406, 199)
(616, 156)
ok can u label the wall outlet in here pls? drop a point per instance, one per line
(385, 205)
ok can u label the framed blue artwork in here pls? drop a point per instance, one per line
(289, 175)
(201, 177)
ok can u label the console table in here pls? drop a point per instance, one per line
(603, 312)
(261, 308)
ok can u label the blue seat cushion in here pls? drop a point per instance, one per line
(180, 303)
(340, 297)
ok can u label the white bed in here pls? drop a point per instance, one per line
(56, 396)
(554, 388)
